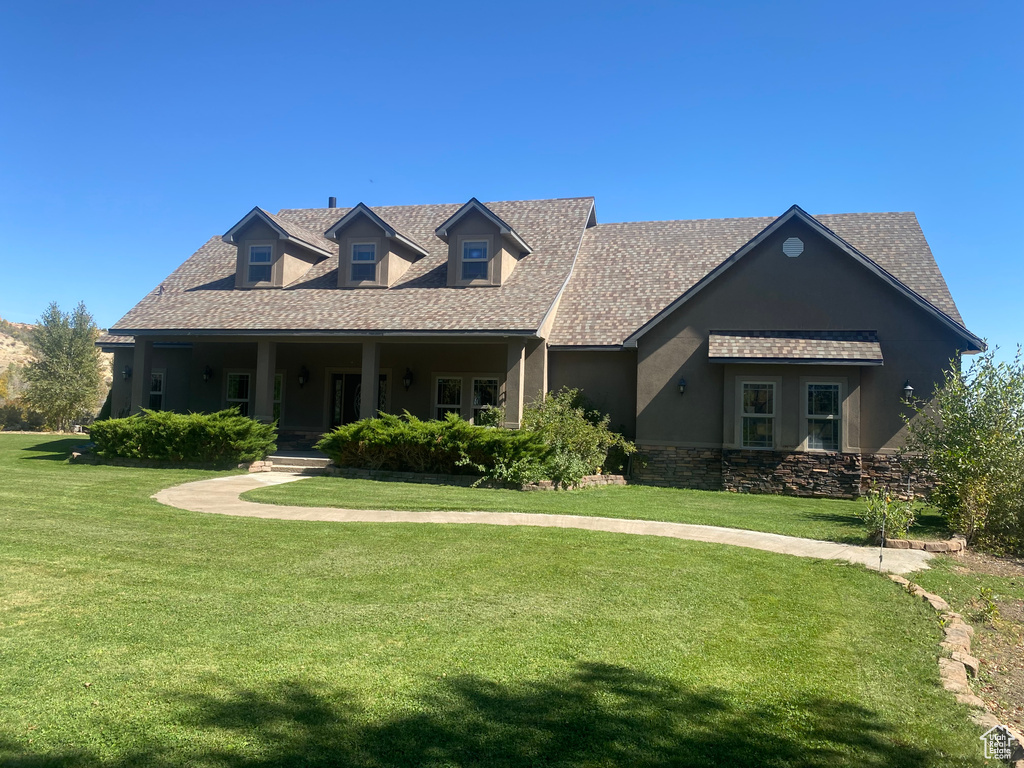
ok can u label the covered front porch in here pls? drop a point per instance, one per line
(309, 385)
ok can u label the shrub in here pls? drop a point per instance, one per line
(449, 446)
(16, 415)
(883, 511)
(225, 437)
(970, 436)
(579, 438)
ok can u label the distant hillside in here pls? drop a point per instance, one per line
(14, 347)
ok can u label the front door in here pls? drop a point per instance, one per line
(345, 395)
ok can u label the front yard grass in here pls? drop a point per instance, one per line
(136, 634)
(825, 519)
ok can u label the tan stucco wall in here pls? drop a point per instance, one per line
(608, 379)
(822, 289)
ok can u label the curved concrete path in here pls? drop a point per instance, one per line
(221, 496)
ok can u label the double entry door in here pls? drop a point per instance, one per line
(346, 393)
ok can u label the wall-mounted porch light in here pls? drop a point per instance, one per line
(407, 379)
(303, 376)
(207, 374)
(126, 372)
(908, 391)
(682, 386)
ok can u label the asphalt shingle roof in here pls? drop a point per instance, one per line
(200, 294)
(858, 347)
(624, 275)
(627, 273)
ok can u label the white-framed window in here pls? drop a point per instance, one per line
(156, 390)
(474, 259)
(364, 262)
(447, 396)
(485, 394)
(823, 409)
(278, 395)
(757, 414)
(238, 392)
(259, 266)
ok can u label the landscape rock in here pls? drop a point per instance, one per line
(970, 662)
(936, 546)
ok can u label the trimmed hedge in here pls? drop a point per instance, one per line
(450, 446)
(224, 437)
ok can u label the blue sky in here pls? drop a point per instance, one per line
(132, 132)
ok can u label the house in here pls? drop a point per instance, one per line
(756, 354)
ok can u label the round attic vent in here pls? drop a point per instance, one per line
(793, 247)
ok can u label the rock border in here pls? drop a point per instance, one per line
(955, 668)
(956, 544)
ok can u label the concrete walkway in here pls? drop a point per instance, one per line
(220, 496)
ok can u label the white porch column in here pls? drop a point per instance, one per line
(370, 385)
(266, 367)
(142, 373)
(515, 370)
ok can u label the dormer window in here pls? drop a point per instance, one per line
(364, 262)
(260, 258)
(474, 260)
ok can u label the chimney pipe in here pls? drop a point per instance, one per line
(332, 202)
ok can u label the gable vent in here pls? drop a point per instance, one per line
(793, 247)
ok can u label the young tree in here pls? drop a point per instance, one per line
(971, 437)
(64, 381)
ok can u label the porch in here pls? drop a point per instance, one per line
(309, 385)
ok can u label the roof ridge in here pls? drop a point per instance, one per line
(426, 205)
(755, 218)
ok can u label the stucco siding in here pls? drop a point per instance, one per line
(608, 379)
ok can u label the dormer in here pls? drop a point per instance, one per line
(482, 249)
(372, 253)
(273, 252)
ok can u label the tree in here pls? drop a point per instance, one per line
(971, 437)
(64, 381)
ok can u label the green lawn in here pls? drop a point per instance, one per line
(827, 519)
(133, 634)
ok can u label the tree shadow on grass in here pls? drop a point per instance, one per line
(55, 450)
(599, 715)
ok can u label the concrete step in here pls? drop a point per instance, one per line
(299, 470)
(299, 459)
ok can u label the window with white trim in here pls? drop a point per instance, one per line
(824, 416)
(448, 396)
(156, 391)
(259, 267)
(474, 260)
(485, 395)
(757, 413)
(238, 392)
(364, 262)
(278, 395)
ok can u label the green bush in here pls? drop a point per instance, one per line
(225, 437)
(16, 415)
(883, 511)
(579, 437)
(449, 446)
(970, 437)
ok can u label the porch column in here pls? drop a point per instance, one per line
(536, 373)
(370, 385)
(515, 370)
(142, 373)
(266, 367)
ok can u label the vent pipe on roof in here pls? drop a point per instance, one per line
(332, 202)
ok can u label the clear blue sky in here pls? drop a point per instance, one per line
(132, 132)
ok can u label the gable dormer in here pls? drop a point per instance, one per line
(482, 249)
(273, 252)
(372, 253)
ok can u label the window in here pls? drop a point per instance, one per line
(156, 391)
(260, 257)
(238, 392)
(474, 260)
(757, 429)
(278, 392)
(364, 262)
(449, 397)
(485, 393)
(824, 404)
